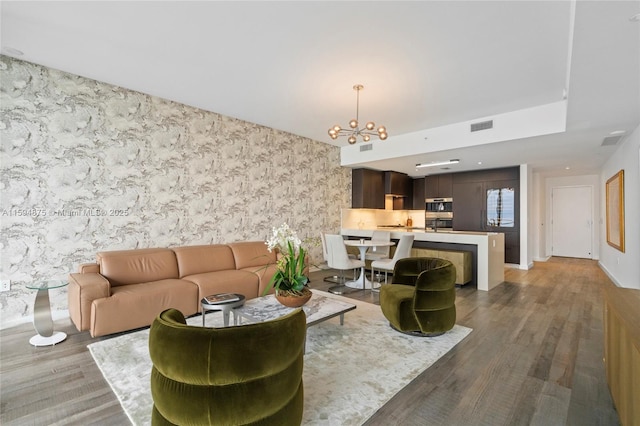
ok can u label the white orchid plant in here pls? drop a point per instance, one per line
(289, 277)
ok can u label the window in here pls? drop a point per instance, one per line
(501, 207)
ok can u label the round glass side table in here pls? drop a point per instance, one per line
(42, 320)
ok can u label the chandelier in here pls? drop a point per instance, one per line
(354, 129)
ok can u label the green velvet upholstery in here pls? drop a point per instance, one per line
(421, 298)
(248, 374)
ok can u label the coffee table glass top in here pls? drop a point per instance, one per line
(319, 308)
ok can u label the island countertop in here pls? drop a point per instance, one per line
(490, 248)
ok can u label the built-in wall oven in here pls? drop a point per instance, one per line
(438, 213)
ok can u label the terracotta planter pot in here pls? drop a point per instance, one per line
(293, 301)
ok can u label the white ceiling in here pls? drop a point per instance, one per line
(292, 65)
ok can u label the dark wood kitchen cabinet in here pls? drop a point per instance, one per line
(418, 194)
(489, 201)
(439, 186)
(467, 206)
(367, 189)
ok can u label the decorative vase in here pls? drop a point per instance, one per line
(292, 300)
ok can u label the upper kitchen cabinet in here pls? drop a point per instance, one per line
(439, 186)
(367, 189)
(418, 194)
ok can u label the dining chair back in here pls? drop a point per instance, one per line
(338, 258)
(381, 252)
(402, 252)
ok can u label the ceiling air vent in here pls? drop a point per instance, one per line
(475, 127)
(366, 147)
(611, 140)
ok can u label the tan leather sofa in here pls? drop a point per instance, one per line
(127, 289)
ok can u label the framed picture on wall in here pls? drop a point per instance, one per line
(615, 211)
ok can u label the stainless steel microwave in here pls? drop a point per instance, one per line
(439, 205)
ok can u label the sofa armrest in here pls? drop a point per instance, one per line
(83, 290)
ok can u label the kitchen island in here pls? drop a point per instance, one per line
(489, 246)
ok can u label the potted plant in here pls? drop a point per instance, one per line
(289, 280)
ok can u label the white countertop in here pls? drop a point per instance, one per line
(422, 235)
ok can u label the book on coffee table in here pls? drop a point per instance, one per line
(221, 298)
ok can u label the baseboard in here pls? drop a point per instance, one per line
(541, 259)
(608, 274)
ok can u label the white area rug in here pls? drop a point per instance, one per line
(350, 371)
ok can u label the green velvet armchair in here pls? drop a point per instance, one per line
(421, 298)
(249, 374)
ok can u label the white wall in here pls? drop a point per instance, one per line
(526, 226)
(623, 268)
(537, 217)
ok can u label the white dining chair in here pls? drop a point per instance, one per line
(402, 251)
(335, 279)
(380, 252)
(338, 258)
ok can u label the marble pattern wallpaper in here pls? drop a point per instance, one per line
(87, 166)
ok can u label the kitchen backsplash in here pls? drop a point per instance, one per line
(87, 166)
(371, 218)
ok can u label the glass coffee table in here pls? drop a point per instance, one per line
(42, 320)
(319, 308)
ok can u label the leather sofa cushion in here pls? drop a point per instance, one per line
(137, 266)
(194, 260)
(252, 253)
(231, 281)
(136, 305)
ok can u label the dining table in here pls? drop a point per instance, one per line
(363, 245)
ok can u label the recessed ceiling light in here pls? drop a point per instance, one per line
(618, 132)
(635, 18)
(479, 162)
(567, 168)
(12, 52)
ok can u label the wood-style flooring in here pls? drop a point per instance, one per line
(534, 358)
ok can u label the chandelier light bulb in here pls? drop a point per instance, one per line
(370, 125)
(337, 128)
(352, 139)
(382, 136)
(382, 129)
(366, 138)
(353, 123)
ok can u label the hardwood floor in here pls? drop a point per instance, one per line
(534, 358)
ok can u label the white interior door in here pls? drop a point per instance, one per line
(571, 221)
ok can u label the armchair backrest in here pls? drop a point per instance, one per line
(433, 305)
(220, 375)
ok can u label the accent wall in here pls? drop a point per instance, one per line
(87, 166)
